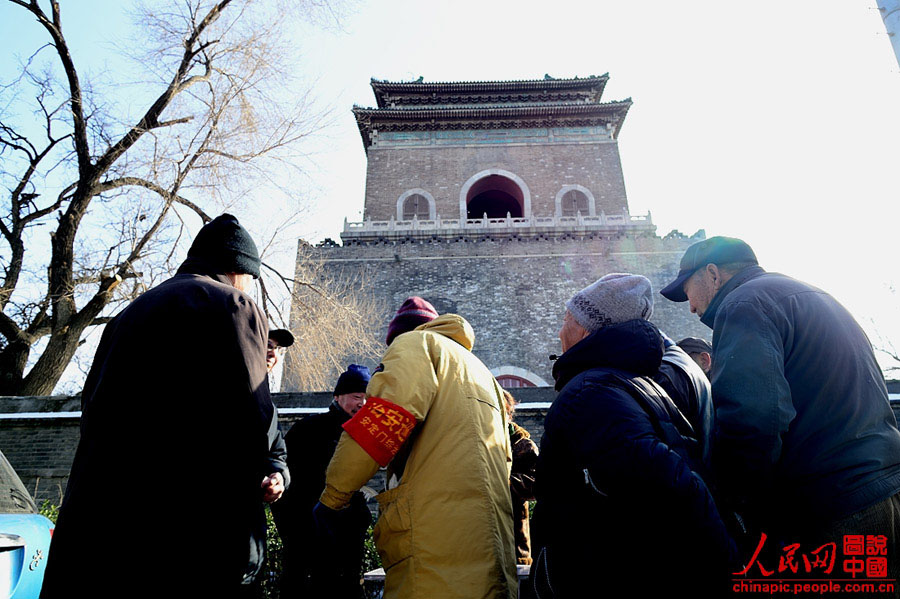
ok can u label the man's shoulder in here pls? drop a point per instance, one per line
(770, 285)
(310, 424)
(773, 296)
(596, 389)
(190, 286)
(598, 399)
(214, 288)
(303, 424)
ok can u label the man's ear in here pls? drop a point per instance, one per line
(705, 361)
(716, 276)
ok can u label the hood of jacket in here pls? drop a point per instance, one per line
(635, 346)
(453, 326)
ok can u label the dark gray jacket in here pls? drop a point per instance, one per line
(804, 431)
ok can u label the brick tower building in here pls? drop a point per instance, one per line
(497, 201)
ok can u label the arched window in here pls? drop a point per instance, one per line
(574, 202)
(574, 199)
(416, 203)
(511, 381)
(513, 377)
(416, 206)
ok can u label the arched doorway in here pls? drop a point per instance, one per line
(496, 193)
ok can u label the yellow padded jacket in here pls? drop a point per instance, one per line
(446, 530)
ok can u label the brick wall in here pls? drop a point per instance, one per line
(39, 435)
(41, 449)
(545, 168)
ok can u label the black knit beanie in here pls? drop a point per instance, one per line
(225, 246)
(353, 380)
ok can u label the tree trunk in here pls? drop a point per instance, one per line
(13, 359)
(42, 378)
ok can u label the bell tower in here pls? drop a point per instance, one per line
(497, 201)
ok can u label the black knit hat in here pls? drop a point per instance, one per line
(354, 380)
(225, 246)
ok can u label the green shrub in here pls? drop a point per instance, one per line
(272, 569)
(49, 510)
(371, 559)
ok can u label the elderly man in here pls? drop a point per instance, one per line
(700, 351)
(617, 500)
(683, 380)
(279, 341)
(174, 450)
(435, 416)
(805, 443)
(308, 569)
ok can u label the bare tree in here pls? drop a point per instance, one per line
(335, 321)
(884, 345)
(101, 185)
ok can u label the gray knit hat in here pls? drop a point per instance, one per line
(612, 299)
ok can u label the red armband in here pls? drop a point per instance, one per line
(380, 427)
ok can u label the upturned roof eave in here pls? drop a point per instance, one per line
(381, 87)
(491, 111)
(365, 116)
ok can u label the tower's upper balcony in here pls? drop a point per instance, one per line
(535, 227)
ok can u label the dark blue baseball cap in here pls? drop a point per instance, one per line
(715, 250)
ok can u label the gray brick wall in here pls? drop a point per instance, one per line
(512, 291)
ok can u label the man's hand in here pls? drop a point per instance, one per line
(273, 487)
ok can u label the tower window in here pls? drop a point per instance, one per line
(511, 381)
(573, 202)
(416, 206)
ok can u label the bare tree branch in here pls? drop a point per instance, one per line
(164, 193)
(104, 188)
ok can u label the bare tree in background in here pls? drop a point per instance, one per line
(884, 346)
(101, 184)
(335, 322)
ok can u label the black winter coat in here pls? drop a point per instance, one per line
(164, 496)
(308, 569)
(616, 506)
(685, 383)
(804, 431)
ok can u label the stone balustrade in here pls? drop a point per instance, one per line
(601, 220)
(553, 226)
